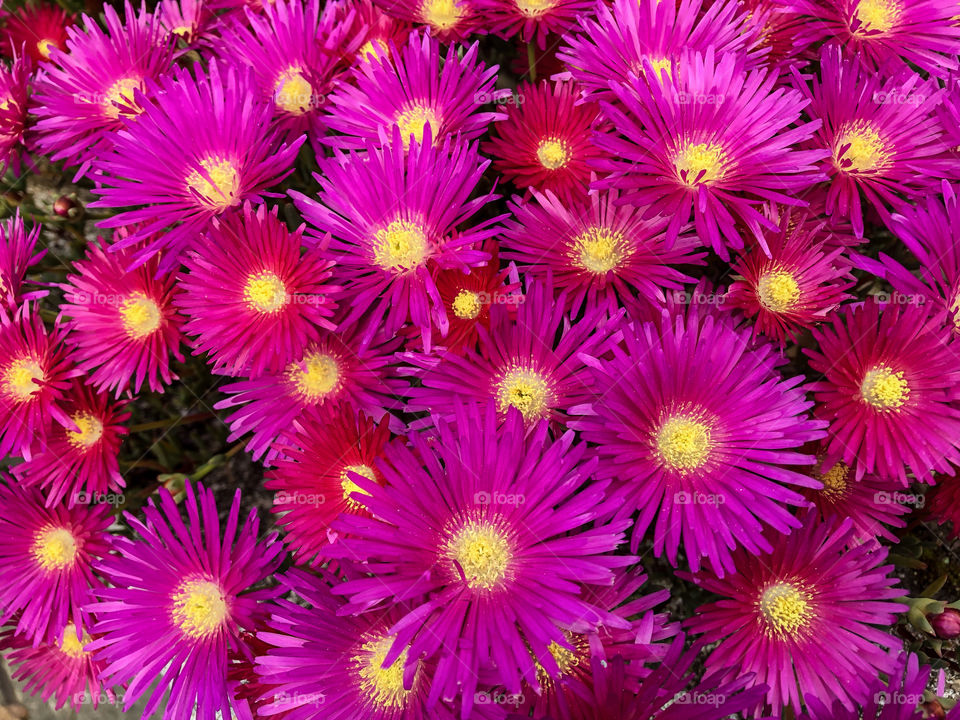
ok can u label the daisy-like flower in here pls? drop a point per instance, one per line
(377, 30)
(888, 390)
(191, 584)
(13, 112)
(545, 142)
(776, 25)
(35, 373)
(84, 93)
(533, 20)
(47, 554)
(874, 32)
(697, 426)
(313, 479)
(531, 362)
(60, 669)
(16, 257)
(411, 89)
(711, 141)
(597, 250)
(337, 370)
(205, 144)
(483, 537)
(628, 33)
(191, 21)
(123, 324)
(880, 135)
(796, 285)
(252, 301)
(37, 29)
(78, 462)
(809, 619)
(447, 20)
(392, 230)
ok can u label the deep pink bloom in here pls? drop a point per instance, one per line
(447, 20)
(14, 81)
(38, 29)
(16, 258)
(533, 20)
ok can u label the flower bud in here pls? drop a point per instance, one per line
(946, 625)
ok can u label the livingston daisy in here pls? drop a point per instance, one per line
(447, 20)
(392, 231)
(191, 21)
(776, 25)
(888, 377)
(697, 427)
(14, 81)
(597, 250)
(252, 301)
(545, 141)
(47, 555)
(84, 94)
(16, 258)
(377, 30)
(810, 618)
(711, 141)
(123, 324)
(412, 88)
(37, 29)
(205, 144)
(483, 537)
(191, 584)
(533, 20)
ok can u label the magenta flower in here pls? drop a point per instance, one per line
(37, 29)
(379, 31)
(446, 20)
(533, 20)
(16, 258)
(14, 81)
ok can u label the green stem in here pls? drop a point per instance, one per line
(532, 61)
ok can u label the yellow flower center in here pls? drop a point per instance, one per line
(466, 305)
(21, 377)
(401, 245)
(45, 47)
(349, 486)
(221, 190)
(90, 432)
(700, 164)
(141, 316)
(292, 93)
(885, 389)
(527, 391)
(778, 291)
(878, 16)
(553, 153)
(316, 376)
(199, 608)
(55, 548)
(835, 483)
(71, 645)
(184, 31)
(373, 49)
(265, 292)
(785, 608)
(441, 14)
(382, 685)
(868, 152)
(413, 121)
(599, 250)
(121, 93)
(659, 65)
(534, 8)
(683, 443)
(483, 552)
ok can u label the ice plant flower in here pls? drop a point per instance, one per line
(204, 145)
(376, 28)
(599, 251)
(16, 258)
(697, 427)
(14, 80)
(888, 377)
(313, 480)
(713, 142)
(47, 554)
(123, 324)
(477, 578)
(191, 583)
(84, 93)
(545, 142)
(190, 21)
(809, 619)
(533, 20)
(37, 29)
(252, 301)
(392, 229)
(414, 87)
(446, 20)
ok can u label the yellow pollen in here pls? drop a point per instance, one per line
(400, 246)
(414, 120)
(661, 64)
(71, 646)
(220, 191)
(885, 389)
(527, 391)
(868, 152)
(19, 377)
(878, 16)
(349, 486)
(441, 14)
(141, 316)
(292, 93)
(91, 430)
(265, 292)
(55, 548)
(599, 250)
(534, 8)
(184, 31)
(483, 553)
(785, 609)
(700, 164)
(373, 49)
(316, 376)
(121, 93)
(383, 685)
(835, 484)
(199, 608)
(466, 305)
(553, 154)
(683, 443)
(778, 291)
(45, 47)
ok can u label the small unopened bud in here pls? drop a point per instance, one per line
(933, 709)
(946, 625)
(66, 207)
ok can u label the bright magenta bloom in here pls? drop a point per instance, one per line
(533, 20)
(16, 258)
(39, 29)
